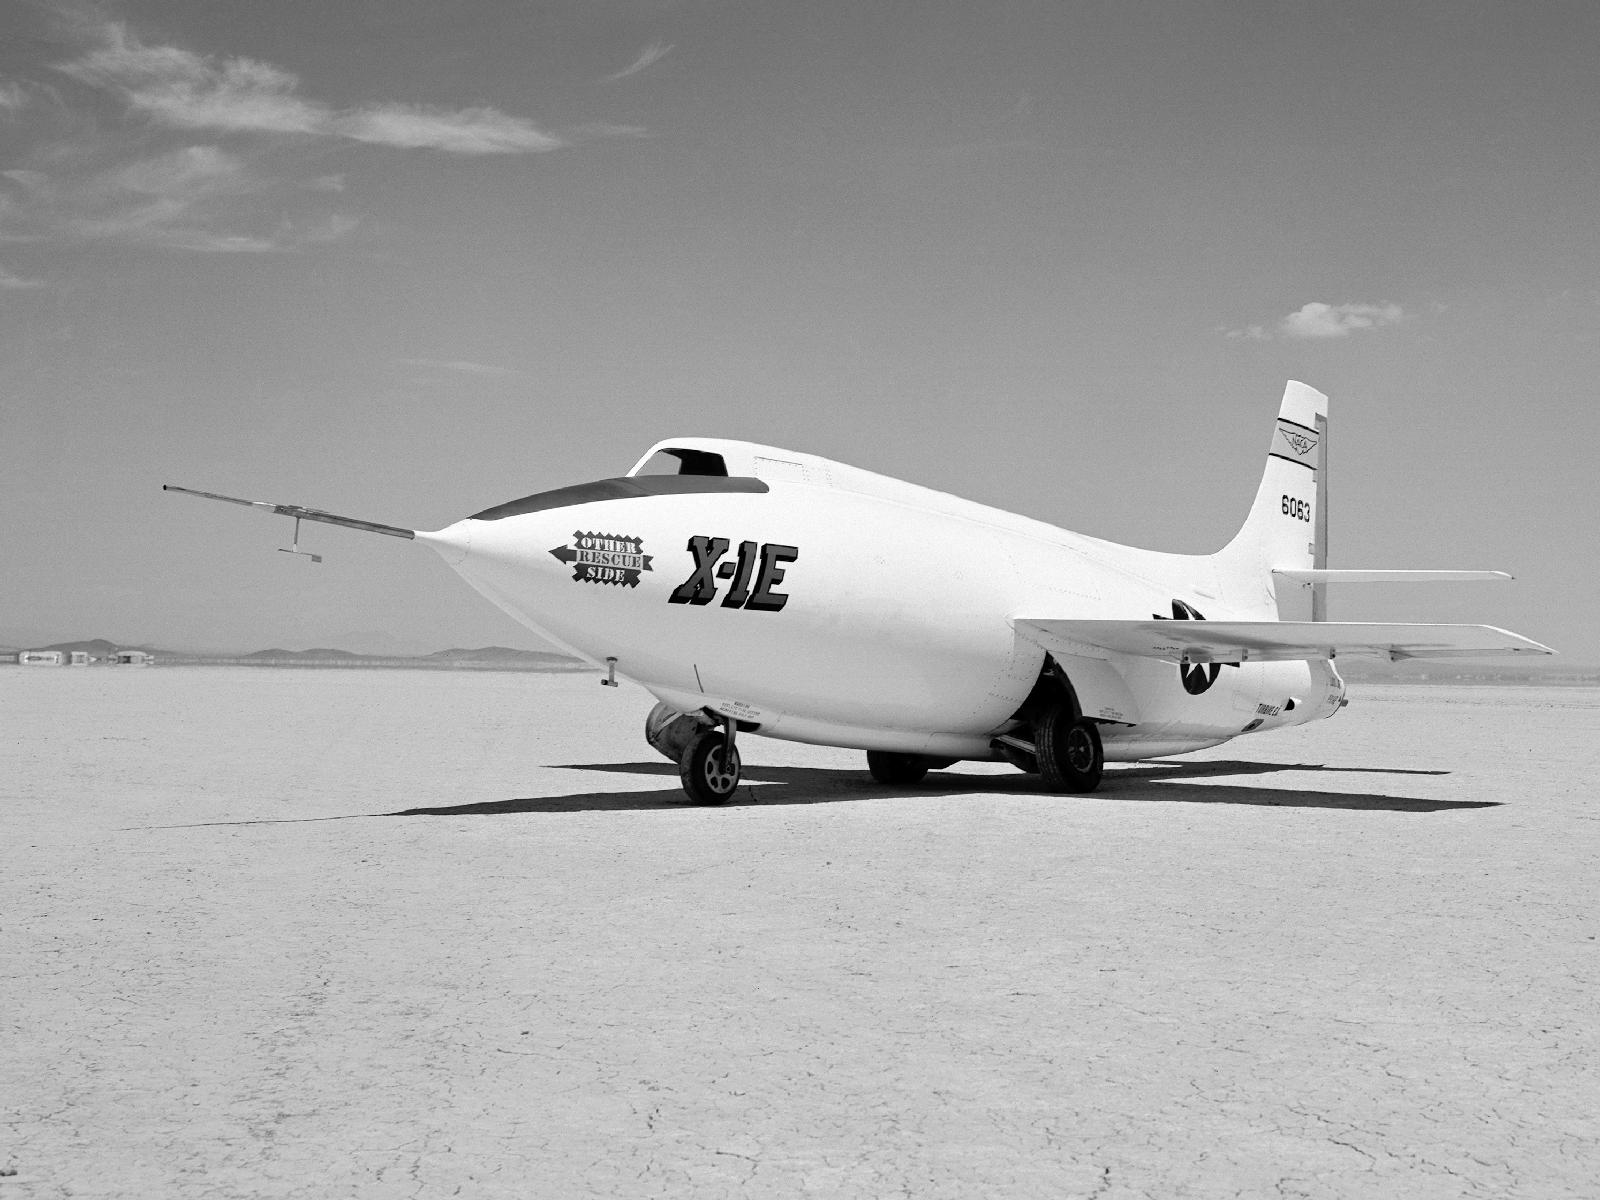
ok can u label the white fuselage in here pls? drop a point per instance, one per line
(843, 608)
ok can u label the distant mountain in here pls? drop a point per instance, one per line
(500, 654)
(484, 657)
(374, 643)
(320, 653)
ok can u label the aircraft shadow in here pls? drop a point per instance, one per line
(1167, 782)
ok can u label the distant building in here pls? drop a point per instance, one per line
(39, 658)
(77, 658)
(132, 658)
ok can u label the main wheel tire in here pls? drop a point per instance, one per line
(1071, 757)
(709, 771)
(888, 767)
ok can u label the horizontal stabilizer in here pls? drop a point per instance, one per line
(304, 514)
(1278, 641)
(1323, 576)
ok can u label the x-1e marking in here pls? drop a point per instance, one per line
(701, 586)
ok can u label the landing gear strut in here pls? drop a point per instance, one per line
(710, 766)
(1069, 751)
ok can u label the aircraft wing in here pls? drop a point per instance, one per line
(1271, 641)
(1345, 576)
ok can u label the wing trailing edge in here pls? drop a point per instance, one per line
(1272, 641)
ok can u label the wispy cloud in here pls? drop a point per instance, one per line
(193, 172)
(648, 57)
(1317, 320)
(195, 198)
(461, 131)
(460, 367)
(184, 90)
(16, 283)
(213, 153)
(332, 228)
(206, 241)
(188, 91)
(600, 129)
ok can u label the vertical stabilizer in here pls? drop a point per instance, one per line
(1287, 526)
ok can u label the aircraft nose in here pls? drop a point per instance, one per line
(453, 543)
(506, 555)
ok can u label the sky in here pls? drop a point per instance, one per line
(404, 260)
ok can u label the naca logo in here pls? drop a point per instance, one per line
(605, 558)
(1300, 443)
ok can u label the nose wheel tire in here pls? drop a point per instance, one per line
(709, 769)
(1071, 757)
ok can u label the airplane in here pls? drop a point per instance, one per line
(755, 590)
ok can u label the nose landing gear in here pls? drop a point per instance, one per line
(710, 766)
(708, 761)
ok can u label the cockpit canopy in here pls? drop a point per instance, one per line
(680, 460)
(723, 457)
(681, 466)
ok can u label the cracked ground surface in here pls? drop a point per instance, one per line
(393, 934)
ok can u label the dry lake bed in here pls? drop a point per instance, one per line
(403, 933)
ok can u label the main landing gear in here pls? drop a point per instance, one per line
(901, 770)
(1050, 737)
(1068, 749)
(890, 768)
